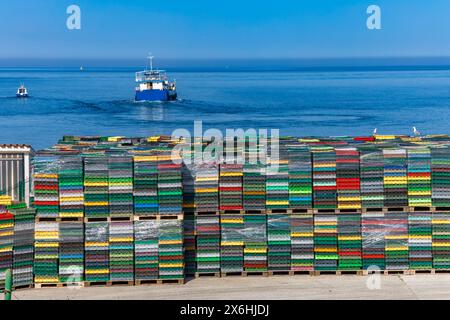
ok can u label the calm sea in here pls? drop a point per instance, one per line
(298, 102)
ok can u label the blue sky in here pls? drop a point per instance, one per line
(223, 29)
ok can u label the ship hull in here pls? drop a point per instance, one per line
(155, 95)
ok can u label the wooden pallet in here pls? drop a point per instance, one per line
(59, 219)
(59, 285)
(337, 272)
(440, 209)
(254, 211)
(245, 273)
(23, 287)
(120, 283)
(206, 213)
(95, 283)
(420, 209)
(159, 281)
(207, 274)
(232, 211)
(128, 218)
(372, 210)
(290, 273)
(159, 217)
(397, 272)
(279, 211)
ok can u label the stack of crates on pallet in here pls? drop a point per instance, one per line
(419, 177)
(120, 184)
(279, 242)
(190, 248)
(145, 188)
(420, 238)
(232, 243)
(170, 249)
(440, 176)
(255, 242)
(395, 177)
(396, 236)
(121, 251)
(371, 175)
(46, 252)
(71, 251)
(71, 195)
(324, 177)
(254, 184)
(277, 182)
(230, 186)
(207, 230)
(146, 250)
(96, 190)
(300, 177)
(348, 178)
(373, 232)
(349, 241)
(6, 244)
(23, 249)
(206, 187)
(325, 242)
(170, 189)
(302, 242)
(46, 193)
(96, 251)
(441, 240)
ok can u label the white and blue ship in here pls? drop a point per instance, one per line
(154, 85)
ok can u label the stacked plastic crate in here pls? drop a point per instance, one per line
(440, 176)
(71, 252)
(96, 190)
(96, 251)
(395, 177)
(145, 188)
(255, 242)
(441, 239)
(302, 242)
(146, 262)
(325, 242)
(349, 241)
(371, 174)
(300, 177)
(120, 184)
(121, 251)
(420, 236)
(279, 242)
(46, 252)
(46, 193)
(396, 240)
(230, 186)
(373, 227)
(190, 244)
(170, 189)
(206, 187)
(170, 249)
(232, 243)
(71, 195)
(23, 247)
(324, 177)
(254, 187)
(207, 230)
(6, 244)
(419, 177)
(277, 181)
(348, 178)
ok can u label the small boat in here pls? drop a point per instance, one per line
(22, 92)
(154, 85)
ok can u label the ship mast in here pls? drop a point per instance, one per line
(150, 60)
